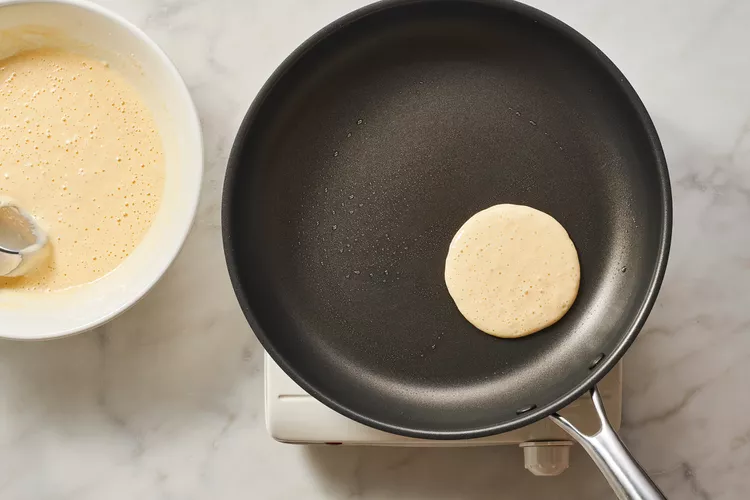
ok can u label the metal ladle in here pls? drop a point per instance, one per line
(23, 244)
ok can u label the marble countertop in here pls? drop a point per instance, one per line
(166, 402)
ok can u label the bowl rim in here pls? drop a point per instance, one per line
(193, 199)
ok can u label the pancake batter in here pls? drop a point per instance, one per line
(81, 153)
(512, 270)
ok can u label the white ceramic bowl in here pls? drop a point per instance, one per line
(102, 34)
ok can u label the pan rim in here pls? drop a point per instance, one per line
(626, 338)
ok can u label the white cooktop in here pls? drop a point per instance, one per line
(293, 416)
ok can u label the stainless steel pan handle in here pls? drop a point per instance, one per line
(622, 472)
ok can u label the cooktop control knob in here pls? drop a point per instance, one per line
(546, 458)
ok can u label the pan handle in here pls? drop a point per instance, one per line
(622, 472)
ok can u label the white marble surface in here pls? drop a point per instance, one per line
(166, 401)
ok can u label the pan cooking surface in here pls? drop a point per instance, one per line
(366, 152)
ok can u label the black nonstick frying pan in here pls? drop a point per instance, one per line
(366, 151)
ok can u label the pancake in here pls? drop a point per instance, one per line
(512, 270)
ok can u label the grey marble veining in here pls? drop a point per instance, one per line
(166, 401)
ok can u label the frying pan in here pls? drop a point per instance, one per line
(365, 152)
